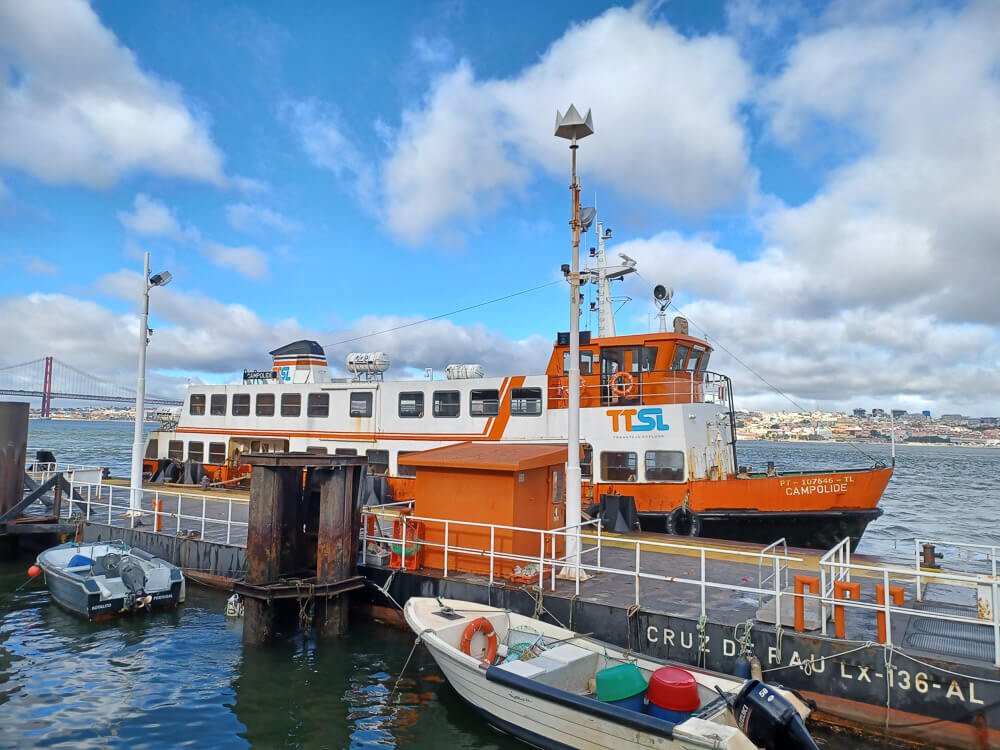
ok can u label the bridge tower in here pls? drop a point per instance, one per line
(47, 389)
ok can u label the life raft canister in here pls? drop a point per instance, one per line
(622, 384)
(484, 626)
(683, 522)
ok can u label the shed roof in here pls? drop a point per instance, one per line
(489, 456)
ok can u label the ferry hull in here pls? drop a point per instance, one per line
(816, 529)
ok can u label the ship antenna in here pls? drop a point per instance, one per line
(602, 276)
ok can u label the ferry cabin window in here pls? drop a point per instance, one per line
(378, 462)
(345, 451)
(175, 450)
(586, 461)
(405, 471)
(525, 402)
(217, 453)
(152, 448)
(411, 404)
(694, 364)
(648, 358)
(664, 466)
(291, 404)
(619, 466)
(586, 362)
(316, 450)
(318, 405)
(361, 404)
(196, 452)
(217, 406)
(484, 403)
(680, 357)
(447, 403)
(197, 406)
(265, 404)
(241, 404)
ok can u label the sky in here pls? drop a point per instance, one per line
(817, 181)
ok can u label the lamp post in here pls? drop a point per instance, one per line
(148, 282)
(573, 127)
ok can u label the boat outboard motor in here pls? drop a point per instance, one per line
(769, 720)
(134, 579)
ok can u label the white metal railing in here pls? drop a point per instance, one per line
(106, 503)
(48, 468)
(983, 554)
(658, 386)
(777, 570)
(837, 566)
(549, 562)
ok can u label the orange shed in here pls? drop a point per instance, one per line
(508, 484)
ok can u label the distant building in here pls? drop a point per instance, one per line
(861, 413)
(897, 413)
(878, 412)
(926, 413)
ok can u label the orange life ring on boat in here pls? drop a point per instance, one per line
(484, 626)
(622, 384)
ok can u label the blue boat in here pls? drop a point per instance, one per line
(102, 580)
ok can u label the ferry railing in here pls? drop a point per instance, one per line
(549, 562)
(45, 469)
(777, 570)
(834, 569)
(671, 386)
(109, 504)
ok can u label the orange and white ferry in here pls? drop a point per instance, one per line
(655, 425)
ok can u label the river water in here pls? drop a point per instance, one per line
(184, 679)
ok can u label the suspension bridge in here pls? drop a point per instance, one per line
(48, 378)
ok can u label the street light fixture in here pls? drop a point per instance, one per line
(148, 282)
(573, 127)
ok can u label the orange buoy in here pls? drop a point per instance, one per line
(484, 626)
(34, 571)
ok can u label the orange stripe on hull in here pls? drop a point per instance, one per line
(854, 490)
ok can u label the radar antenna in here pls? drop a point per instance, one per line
(602, 276)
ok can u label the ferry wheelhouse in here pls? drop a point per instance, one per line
(656, 425)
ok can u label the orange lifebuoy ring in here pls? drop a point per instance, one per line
(622, 384)
(484, 626)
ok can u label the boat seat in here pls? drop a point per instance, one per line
(567, 667)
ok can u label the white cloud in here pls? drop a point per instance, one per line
(666, 113)
(76, 107)
(249, 184)
(40, 266)
(246, 217)
(247, 261)
(322, 135)
(150, 218)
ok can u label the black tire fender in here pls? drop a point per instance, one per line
(683, 522)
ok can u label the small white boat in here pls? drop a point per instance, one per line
(544, 683)
(102, 580)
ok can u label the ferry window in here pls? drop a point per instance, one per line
(619, 466)
(316, 450)
(411, 404)
(695, 361)
(704, 361)
(291, 404)
(217, 453)
(217, 406)
(361, 404)
(196, 452)
(447, 403)
(586, 362)
(241, 404)
(664, 466)
(484, 403)
(318, 405)
(197, 407)
(378, 462)
(680, 356)
(405, 471)
(175, 450)
(648, 355)
(345, 452)
(525, 402)
(586, 460)
(152, 448)
(265, 404)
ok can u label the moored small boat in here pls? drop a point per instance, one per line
(102, 580)
(544, 684)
